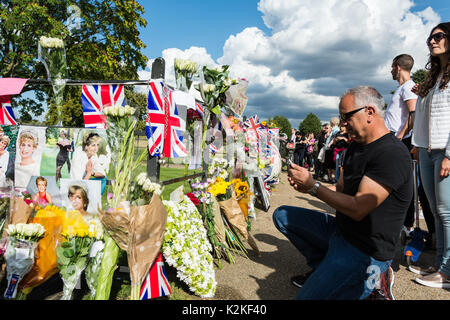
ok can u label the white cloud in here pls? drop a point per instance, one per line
(317, 50)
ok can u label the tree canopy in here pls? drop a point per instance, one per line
(310, 124)
(419, 75)
(283, 124)
(101, 39)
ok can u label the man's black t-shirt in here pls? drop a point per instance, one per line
(386, 161)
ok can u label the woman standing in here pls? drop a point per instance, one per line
(311, 141)
(431, 139)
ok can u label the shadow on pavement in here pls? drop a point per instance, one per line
(286, 262)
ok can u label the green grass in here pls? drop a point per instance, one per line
(171, 173)
(48, 163)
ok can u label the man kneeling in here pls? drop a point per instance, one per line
(351, 254)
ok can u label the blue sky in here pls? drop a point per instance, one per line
(182, 24)
(298, 56)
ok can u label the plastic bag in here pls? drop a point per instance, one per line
(19, 261)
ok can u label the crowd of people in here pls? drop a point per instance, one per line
(366, 157)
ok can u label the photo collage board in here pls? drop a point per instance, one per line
(67, 167)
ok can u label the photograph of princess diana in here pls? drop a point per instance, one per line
(29, 146)
(81, 195)
(91, 156)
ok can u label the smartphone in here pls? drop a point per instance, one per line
(289, 162)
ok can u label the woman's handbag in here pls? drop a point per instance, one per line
(321, 156)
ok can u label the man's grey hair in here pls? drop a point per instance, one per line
(365, 96)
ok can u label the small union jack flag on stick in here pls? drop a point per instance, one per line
(155, 284)
(97, 97)
(7, 115)
(253, 124)
(164, 125)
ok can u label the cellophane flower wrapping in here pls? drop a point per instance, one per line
(19, 258)
(52, 54)
(186, 247)
(20, 253)
(73, 254)
(121, 139)
(96, 252)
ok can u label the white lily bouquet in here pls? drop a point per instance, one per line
(19, 254)
(184, 71)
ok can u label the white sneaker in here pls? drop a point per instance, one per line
(434, 280)
(422, 271)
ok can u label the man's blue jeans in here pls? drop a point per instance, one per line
(341, 271)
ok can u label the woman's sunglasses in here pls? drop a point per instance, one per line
(436, 37)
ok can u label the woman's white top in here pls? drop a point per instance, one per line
(432, 120)
(23, 174)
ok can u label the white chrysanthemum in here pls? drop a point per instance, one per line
(187, 248)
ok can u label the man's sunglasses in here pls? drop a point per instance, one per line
(345, 116)
(436, 37)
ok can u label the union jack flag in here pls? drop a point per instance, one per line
(97, 97)
(164, 126)
(155, 284)
(7, 115)
(253, 124)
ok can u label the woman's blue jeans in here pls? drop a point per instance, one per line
(437, 190)
(341, 271)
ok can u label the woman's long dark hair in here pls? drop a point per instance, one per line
(434, 66)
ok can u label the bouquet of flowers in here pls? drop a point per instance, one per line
(73, 254)
(213, 222)
(222, 193)
(225, 192)
(218, 168)
(184, 71)
(139, 233)
(121, 139)
(52, 54)
(186, 247)
(142, 190)
(51, 218)
(95, 229)
(19, 254)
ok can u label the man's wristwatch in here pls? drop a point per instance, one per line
(313, 190)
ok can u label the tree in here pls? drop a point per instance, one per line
(283, 124)
(310, 124)
(419, 76)
(103, 44)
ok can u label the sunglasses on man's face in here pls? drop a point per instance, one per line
(345, 116)
(437, 37)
